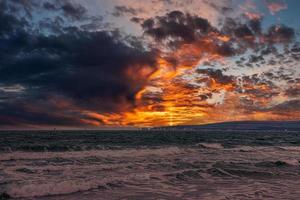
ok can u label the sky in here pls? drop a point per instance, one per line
(134, 63)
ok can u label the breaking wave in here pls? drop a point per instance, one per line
(216, 169)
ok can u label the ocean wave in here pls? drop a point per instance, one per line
(184, 175)
(207, 171)
(210, 145)
(67, 187)
(279, 163)
(13, 156)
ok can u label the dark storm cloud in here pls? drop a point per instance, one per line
(256, 59)
(124, 10)
(280, 33)
(269, 50)
(70, 9)
(177, 28)
(52, 25)
(296, 48)
(9, 23)
(225, 49)
(89, 70)
(287, 106)
(217, 75)
(251, 30)
(137, 20)
(243, 32)
(49, 6)
(255, 25)
(17, 113)
(26, 5)
(82, 65)
(258, 93)
(178, 25)
(293, 92)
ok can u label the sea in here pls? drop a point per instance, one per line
(150, 165)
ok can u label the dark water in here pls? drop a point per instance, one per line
(149, 165)
(88, 140)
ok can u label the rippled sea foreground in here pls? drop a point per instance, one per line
(144, 165)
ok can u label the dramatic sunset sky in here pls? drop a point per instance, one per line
(124, 63)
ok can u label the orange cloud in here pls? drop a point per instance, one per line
(179, 90)
(253, 15)
(275, 7)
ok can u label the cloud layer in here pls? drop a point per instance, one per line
(70, 68)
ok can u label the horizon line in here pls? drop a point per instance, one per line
(120, 128)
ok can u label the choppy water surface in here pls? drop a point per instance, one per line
(137, 165)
